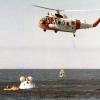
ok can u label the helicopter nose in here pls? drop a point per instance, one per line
(41, 23)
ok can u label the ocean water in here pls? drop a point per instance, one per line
(78, 84)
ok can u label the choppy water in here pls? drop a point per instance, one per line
(77, 85)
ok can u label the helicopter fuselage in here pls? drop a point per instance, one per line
(62, 24)
(59, 22)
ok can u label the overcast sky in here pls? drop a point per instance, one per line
(24, 45)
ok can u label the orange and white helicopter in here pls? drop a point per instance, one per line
(58, 21)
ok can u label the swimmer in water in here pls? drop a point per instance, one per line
(61, 74)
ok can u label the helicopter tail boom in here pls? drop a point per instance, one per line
(96, 22)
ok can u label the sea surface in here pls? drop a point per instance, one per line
(78, 84)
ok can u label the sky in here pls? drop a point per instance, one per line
(24, 45)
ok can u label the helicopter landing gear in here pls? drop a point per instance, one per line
(44, 30)
(55, 31)
(74, 34)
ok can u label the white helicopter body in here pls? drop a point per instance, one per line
(60, 22)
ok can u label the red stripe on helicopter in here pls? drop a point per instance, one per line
(44, 26)
(78, 24)
(96, 23)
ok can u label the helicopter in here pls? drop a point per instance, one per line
(58, 21)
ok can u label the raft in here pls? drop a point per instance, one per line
(13, 88)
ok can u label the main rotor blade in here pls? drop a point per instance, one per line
(87, 10)
(47, 8)
(59, 10)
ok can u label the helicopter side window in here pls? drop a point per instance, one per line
(55, 21)
(67, 23)
(59, 22)
(64, 22)
(73, 23)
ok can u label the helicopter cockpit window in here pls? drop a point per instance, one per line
(43, 19)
